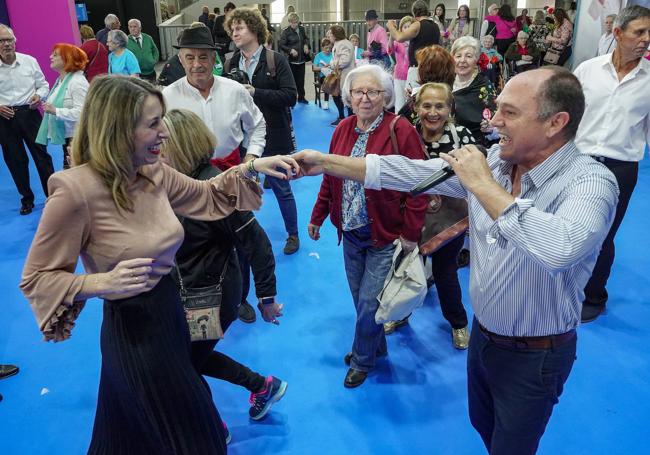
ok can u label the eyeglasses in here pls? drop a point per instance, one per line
(7, 40)
(372, 95)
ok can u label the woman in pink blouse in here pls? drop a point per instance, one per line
(506, 28)
(116, 209)
(400, 51)
(561, 38)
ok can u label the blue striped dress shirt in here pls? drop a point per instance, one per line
(530, 265)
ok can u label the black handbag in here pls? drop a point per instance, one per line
(202, 307)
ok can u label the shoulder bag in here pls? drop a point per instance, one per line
(202, 307)
(446, 217)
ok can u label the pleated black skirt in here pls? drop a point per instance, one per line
(151, 399)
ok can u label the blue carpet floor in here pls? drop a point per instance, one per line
(415, 402)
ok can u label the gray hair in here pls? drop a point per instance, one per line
(611, 16)
(137, 21)
(110, 19)
(629, 14)
(522, 35)
(561, 92)
(118, 37)
(6, 27)
(376, 72)
(420, 8)
(487, 37)
(466, 41)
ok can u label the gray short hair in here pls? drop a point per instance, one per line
(522, 35)
(110, 19)
(118, 37)
(561, 92)
(137, 21)
(379, 74)
(611, 16)
(6, 27)
(629, 14)
(466, 41)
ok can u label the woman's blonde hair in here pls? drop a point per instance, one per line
(106, 130)
(190, 142)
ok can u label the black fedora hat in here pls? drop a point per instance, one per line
(196, 38)
(371, 14)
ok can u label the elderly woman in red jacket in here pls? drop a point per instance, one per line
(369, 221)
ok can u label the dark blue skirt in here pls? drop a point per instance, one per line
(151, 399)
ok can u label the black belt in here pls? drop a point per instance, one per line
(542, 342)
(605, 160)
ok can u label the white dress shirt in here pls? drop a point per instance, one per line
(21, 80)
(229, 112)
(616, 122)
(73, 102)
(606, 44)
(529, 265)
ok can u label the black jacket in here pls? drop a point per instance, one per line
(171, 72)
(220, 36)
(294, 39)
(202, 256)
(470, 103)
(274, 97)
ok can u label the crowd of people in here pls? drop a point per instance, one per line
(543, 206)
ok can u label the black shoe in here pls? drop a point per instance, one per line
(246, 313)
(463, 258)
(26, 208)
(8, 370)
(303, 101)
(354, 378)
(336, 122)
(591, 312)
(348, 357)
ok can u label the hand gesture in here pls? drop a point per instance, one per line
(271, 311)
(470, 165)
(6, 112)
(391, 24)
(293, 52)
(34, 101)
(313, 231)
(283, 167)
(127, 277)
(310, 162)
(49, 108)
(407, 245)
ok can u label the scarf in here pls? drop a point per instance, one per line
(56, 129)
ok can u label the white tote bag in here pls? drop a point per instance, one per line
(405, 287)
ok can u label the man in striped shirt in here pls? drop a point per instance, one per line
(539, 211)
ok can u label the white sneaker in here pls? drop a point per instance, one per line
(325, 105)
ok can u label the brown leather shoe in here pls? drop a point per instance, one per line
(292, 244)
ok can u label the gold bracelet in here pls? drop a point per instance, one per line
(251, 168)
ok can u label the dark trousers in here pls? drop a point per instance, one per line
(23, 127)
(338, 100)
(564, 56)
(216, 364)
(511, 392)
(298, 71)
(149, 77)
(66, 155)
(626, 174)
(444, 269)
(503, 44)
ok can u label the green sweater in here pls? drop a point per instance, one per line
(147, 55)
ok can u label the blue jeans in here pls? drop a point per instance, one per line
(512, 392)
(287, 203)
(366, 268)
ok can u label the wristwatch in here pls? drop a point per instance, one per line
(267, 300)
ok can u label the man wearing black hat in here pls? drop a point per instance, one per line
(377, 51)
(224, 105)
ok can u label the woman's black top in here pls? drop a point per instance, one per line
(429, 34)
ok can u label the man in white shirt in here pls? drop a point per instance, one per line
(607, 43)
(224, 105)
(615, 128)
(22, 86)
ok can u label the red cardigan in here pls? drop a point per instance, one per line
(391, 213)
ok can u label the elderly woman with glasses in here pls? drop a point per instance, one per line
(121, 60)
(369, 222)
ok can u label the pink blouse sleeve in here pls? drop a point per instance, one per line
(48, 280)
(210, 199)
